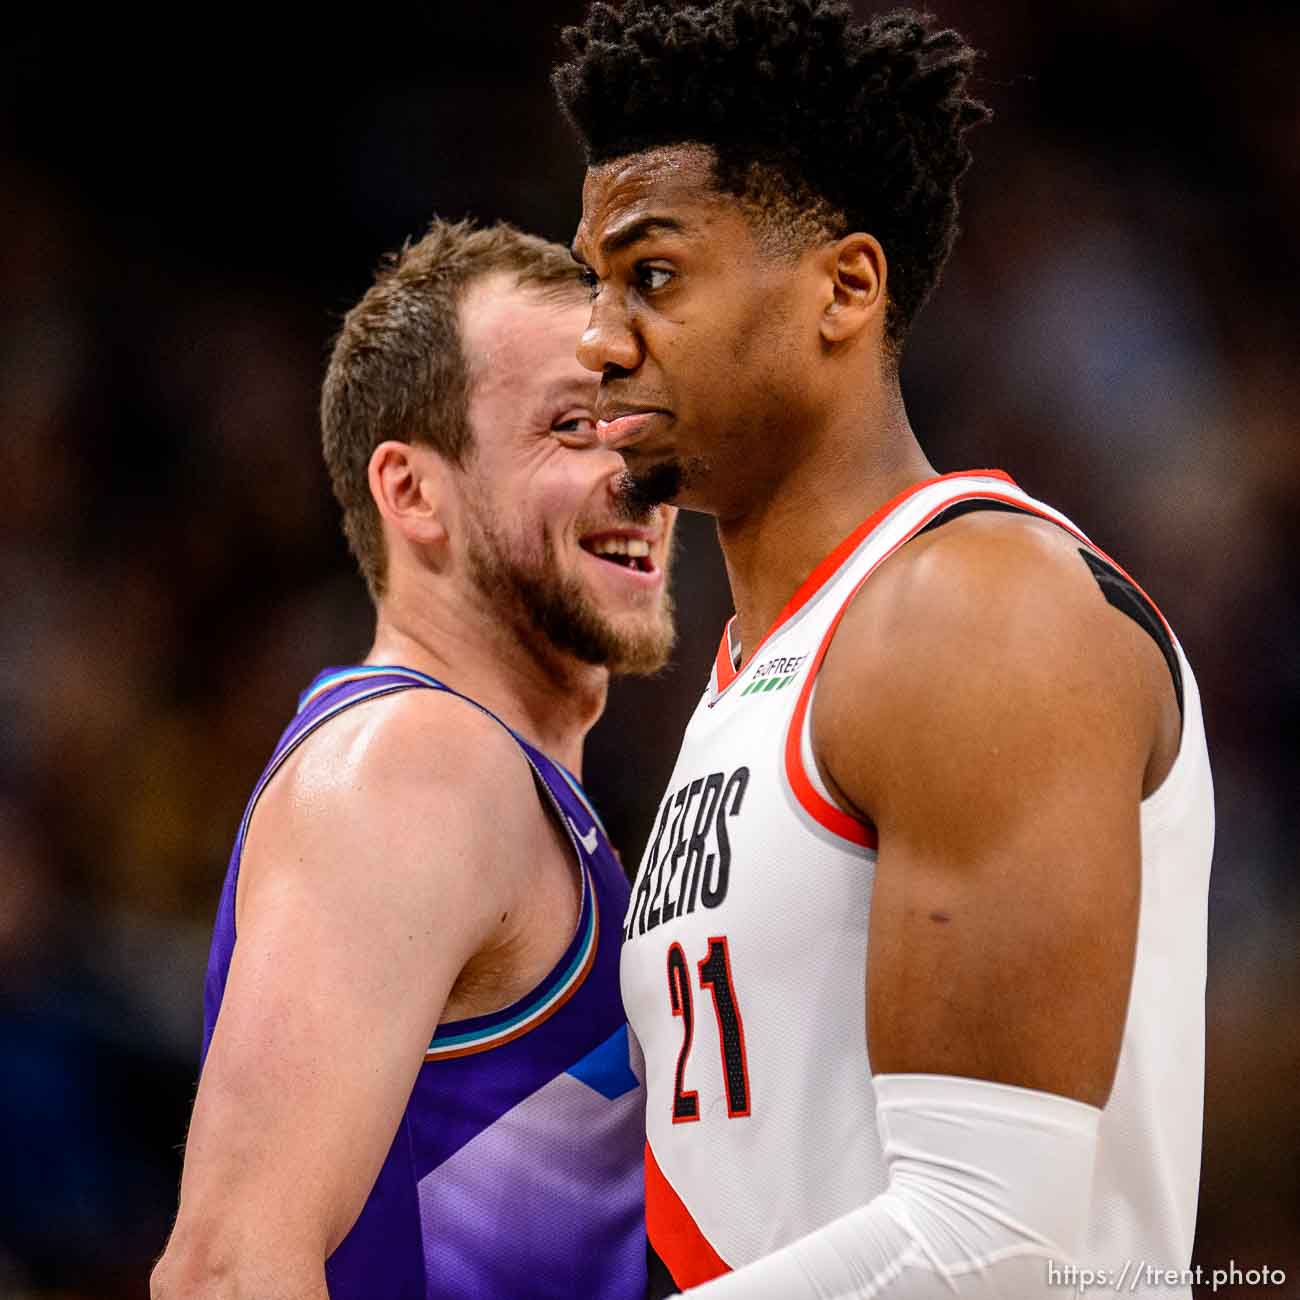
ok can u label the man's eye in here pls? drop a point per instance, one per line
(578, 426)
(590, 280)
(651, 277)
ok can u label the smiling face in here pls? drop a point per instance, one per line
(707, 342)
(549, 534)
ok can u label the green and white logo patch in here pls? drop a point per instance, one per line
(774, 675)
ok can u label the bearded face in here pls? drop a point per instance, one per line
(568, 607)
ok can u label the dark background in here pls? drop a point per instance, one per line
(186, 211)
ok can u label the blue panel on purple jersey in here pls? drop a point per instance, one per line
(517, 1167)
(608, 1069)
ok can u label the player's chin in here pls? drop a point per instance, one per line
(641, 657)
(647, 483)
(641, 643)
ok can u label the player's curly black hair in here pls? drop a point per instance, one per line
(825, 125)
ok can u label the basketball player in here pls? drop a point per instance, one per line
(417, 1079)
(948, 745)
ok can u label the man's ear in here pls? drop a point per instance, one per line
(855, 301)
(409, 485)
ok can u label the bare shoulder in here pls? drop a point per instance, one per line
(415, 790)
(415, 744)
(988, 633)
(982, 569)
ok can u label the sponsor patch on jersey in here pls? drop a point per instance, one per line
(774, 674)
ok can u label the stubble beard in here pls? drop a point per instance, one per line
(544, 603)
(640, 490)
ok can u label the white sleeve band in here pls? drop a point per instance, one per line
(987, 1183)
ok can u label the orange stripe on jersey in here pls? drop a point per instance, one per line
(821, 810)
(725, 667)
(675, 1236)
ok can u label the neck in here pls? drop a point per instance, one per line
(549, 698)
(833, 481)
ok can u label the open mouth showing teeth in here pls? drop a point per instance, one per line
(626, 552)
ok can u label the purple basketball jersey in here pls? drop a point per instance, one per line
(516, 1169)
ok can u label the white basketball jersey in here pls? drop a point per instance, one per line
(744, 958)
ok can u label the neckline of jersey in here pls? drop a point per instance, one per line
(726, 668)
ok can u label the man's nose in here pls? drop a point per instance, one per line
(609, 342)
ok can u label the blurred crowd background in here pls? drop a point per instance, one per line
(185, 213)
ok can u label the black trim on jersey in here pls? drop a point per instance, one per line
(1120, 592)
(959, 508)
(659, 1284)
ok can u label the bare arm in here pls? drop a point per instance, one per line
(1003, 768)
(377, 864)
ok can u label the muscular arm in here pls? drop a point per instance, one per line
(1003, 769)
(999, 722)
(377, 864)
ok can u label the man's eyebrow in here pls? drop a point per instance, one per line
(572, 390)
(622, 237)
